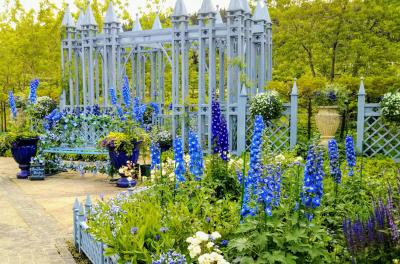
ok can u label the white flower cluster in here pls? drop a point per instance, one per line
(267, 104)
(204, 243)
(390, 106)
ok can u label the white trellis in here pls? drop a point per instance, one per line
(93, 61)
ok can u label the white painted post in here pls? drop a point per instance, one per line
(75, 212)
(293, 115)
(241, 133)
(360, 116)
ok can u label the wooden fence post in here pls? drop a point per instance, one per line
(360, 117)
(241, 129)
(75, 211)
(293, 115)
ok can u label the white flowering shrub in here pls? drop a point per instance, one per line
(390, 106)
(267, 104)
(203, 247)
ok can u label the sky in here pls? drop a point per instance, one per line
(191, 5)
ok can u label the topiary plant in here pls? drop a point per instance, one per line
(267, 104)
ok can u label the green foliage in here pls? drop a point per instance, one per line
(43, 106)
(221, 176)
(182, 211)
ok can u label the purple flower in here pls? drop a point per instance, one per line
(334, 163)
(219, 131)
(208, 219)
(163, 229)
(134, 230)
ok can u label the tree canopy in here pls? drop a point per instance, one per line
(332, 41)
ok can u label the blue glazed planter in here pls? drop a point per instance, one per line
(22, 151)
(120, 158)
(124, 182)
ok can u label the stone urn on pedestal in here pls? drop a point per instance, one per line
(327, 121)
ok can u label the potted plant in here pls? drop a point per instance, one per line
(267, 104)
(23, 138)
(164, 139)
(328, 118)
(125, 146)
(128, 175)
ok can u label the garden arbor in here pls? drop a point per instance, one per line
(94, 61)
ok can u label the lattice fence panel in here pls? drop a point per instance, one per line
(277, 131)
(380, 139)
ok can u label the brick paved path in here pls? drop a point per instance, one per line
(27, 233)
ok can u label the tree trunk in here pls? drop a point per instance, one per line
(310, 59)
(334, 48)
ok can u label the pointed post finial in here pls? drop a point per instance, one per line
(157, 23)
(137, 26)
(207, 7)
(294, 88)
(68, 21)
(180, 9)
(111, 17)
(361, 91)
(243, 92)
(235, 5)
(76, 204)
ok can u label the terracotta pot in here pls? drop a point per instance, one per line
(327, 121)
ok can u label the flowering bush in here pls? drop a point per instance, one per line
(390, 106)
(203, 247)
(267, 104)
(128, 170)
(44, 105)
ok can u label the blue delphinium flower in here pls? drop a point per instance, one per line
(134, 230)
(113, 96)
(269, 190)
(11, 102)
(350, 154)
(126, 92)
(255, 170)
(196, 165)
(219, 131)
(155, 155)
(121, 112)
(171, 257)
(223, 141)
(180, 168)
(32, 91)
(312, 183)
(155, 107)
(138, 111)
(334, 163)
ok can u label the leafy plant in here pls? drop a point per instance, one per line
(267, 104)
(390, 106)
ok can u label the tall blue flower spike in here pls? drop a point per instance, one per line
(219, 131)
(255, 170)
(138, 111)
(196, 164)
(269, 192)
(312, 183)
(155, 155)
(180, 168)
(126, 92)
(11, 102)
(113, 96)
(334, 163)
(33, 90)
(350, 154)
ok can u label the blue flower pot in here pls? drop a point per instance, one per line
(124, 182)
(22, 151)
(119, 158)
